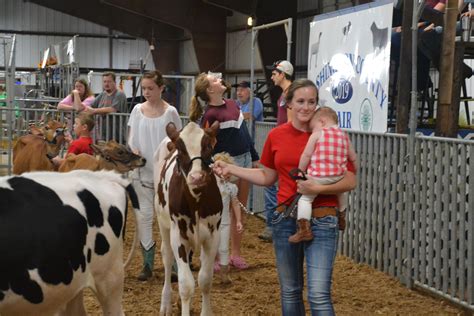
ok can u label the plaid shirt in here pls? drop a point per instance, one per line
(330, 154)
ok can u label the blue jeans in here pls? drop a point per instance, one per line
(270, 202)
(319, 253)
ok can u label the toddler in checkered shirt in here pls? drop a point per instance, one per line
(325, 160)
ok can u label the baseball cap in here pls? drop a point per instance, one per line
(242, 84)
(283, 66)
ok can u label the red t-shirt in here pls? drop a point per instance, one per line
(281, 152)
(81, 145)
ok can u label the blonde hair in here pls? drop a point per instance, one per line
(86, 119)
(325, 111)
(223, 156)
(200, 91)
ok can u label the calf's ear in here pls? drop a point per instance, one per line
(172, 132)
(170, 146)
(212, 131)
(35, 130)
(96, 148)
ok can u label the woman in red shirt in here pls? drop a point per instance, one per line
(281, 153)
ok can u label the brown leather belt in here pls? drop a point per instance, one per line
(317, 212)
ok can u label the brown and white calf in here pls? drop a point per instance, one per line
(189, 207)
(107, 156)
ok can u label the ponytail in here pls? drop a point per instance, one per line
(195, 110)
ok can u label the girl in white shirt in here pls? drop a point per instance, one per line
(147, 128)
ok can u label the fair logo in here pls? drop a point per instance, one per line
(366, 115)
(342, 91)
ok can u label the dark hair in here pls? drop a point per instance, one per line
(287, 76)
(326, 111)
(156, 76)
(109, 74)
(86, 119)
(298, 84)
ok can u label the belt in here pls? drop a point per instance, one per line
(317, 212)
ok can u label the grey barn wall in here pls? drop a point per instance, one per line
(92, 52)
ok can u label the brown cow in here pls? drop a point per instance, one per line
(34, 151)
(108, 156)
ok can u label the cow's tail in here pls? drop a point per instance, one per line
(132, 195)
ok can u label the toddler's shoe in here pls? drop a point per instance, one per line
(217, 267)
(238, 263)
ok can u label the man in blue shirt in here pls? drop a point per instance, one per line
(243, 100)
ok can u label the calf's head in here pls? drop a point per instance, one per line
(121, 158)
(53, 133)
(194, 151)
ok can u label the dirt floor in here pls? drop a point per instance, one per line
(357, 289)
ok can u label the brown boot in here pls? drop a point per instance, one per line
(224, 273)
(303, 233)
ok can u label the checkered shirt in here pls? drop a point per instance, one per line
(330, 155)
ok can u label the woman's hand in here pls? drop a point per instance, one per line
(429, 28)
(221, 169)
(308, 187)
(75, 92)
(469, 13)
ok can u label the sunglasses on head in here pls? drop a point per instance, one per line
(217, 75)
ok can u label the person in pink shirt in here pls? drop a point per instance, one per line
(79, 99)
(325, 159)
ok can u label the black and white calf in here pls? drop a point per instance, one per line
(189, 207)
(61, 233)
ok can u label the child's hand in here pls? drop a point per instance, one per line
(68, 137)
(239, 227)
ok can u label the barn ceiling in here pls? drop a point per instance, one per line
(170, 22)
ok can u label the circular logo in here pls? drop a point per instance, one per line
(366, 115)
(342, 91)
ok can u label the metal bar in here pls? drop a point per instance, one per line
(452, 223)
(367, 197)
(444, 268)
(463, 214)
(401, 213)
(444, 296)
(424, 162)
(431, 215)
(393, 206)
(273, 24)
(437, 212)
(470, 231)
(363, 224)
(380, 175)
(386, 205)
(414, 247)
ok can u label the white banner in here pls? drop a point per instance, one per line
(349, 59)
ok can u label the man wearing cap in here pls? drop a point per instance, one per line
(282, 71)
(243, 100)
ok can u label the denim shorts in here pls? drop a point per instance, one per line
(244, 160)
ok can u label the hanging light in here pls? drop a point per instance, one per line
(250, 21)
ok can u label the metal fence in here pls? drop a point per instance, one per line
(426, 238)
